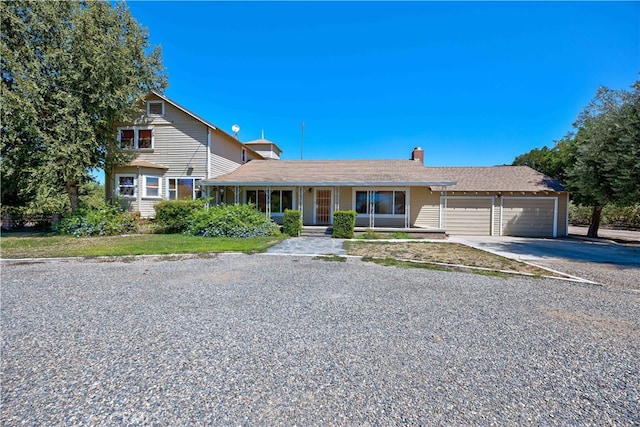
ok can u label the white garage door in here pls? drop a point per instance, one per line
(532, 217)
(468, 216)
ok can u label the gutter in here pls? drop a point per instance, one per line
(328, 183)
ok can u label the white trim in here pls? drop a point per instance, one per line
(135, 185)
(501, 213)
(155, 101)
(370, 202)
(567, 214)
(136, 137)
(144, 186)
(167, 186)
(208, 152)
(555, 210)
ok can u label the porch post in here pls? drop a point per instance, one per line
(372, 207)
(407, 208)
(236, 195)
(267, 208)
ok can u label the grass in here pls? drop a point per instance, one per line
(430, 254)
(369, 234)
(48, 245)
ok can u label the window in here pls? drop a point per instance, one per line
(152, 186)
(126, 185)
(281, 200)
(155, 108)
(135, 138)
(257, 198)
(182, 188)
(244, 155)
(388, 202)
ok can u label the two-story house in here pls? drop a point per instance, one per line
(182, 155)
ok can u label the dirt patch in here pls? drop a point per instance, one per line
(447, 253)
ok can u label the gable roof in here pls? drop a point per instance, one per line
(328, 172)
(496, 178)
(200, 119)
(386, 173)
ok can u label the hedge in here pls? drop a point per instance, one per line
(344, 222)
(174, 215)
(292, 223)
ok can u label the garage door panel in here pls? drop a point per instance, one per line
(528, 217)
(468, 217)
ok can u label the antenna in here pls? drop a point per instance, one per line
(235, 129)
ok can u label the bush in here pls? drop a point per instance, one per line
(109, 220)
(344, 222)
(231, 221)
(174, 215)
(292, 223)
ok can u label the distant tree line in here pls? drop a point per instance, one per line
(599, 161)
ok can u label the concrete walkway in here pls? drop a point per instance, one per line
(309, 246)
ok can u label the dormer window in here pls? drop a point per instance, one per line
(155, 108)
(136, 138)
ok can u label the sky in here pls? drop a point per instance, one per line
(472, 83)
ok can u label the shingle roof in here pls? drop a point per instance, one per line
(327, 172)
(495, 178)
(146, 164)
(387, 173)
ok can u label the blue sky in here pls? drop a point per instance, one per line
(472, 83)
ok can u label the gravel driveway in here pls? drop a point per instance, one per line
(267, 340)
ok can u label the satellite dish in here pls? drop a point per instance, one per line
(235, 128)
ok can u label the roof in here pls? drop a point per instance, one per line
(263, 141)
(387, 173)
(145, 164)
(496, 178)
(328, 172)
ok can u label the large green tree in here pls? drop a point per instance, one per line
(600, 161)
(70, 71)
(607, 166)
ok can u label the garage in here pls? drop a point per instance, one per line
(468, 216)
(529, 216)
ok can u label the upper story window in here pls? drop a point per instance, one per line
(135, 138)
(155, 108)
(244, 155)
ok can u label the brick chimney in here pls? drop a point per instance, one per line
(418, 155)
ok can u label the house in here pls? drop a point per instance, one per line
(188, 157)
(175, 149)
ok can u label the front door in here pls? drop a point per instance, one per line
(323, 206)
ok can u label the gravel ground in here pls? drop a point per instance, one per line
(266, 340)
(610, 275)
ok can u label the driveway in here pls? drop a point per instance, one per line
(601, 261)
(285, 340)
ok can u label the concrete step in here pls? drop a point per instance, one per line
(315, 231)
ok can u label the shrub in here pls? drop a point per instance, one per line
(231, 221)
(108, 220)
(626, 217)
(344, 222)
(174, 215)
(292, 223)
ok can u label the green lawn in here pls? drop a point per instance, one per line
(32, 245)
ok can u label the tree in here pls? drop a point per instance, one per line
(607, 166)
(552, 162)
(70, 71)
